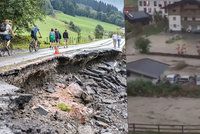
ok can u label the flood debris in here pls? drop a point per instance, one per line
(94, 93)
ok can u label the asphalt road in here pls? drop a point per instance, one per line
(71, 50)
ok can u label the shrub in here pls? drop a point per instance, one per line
(147, 88)
(142, 44)
(64, 107)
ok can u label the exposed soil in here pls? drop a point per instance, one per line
(91, 85)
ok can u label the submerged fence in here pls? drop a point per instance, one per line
(164, 128)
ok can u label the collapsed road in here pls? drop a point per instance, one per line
(85, 93)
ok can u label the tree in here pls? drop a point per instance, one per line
(23, 13)
(142, 44)
(99, 32)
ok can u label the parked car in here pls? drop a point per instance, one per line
(185, 79)
(197, 80)
(172, 78)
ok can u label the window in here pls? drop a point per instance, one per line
(155, 3)
(174, 18)
(145, 9)
(160, 5)
(140, 3)
(174, 10)
(149, 10)
(174, 25)
(145, 3)
(185, 18)
(193, 18)
(154, 9)
(165, 3)
(148, 3)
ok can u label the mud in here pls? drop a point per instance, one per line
(91, 84)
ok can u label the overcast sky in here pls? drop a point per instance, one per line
(117, 3)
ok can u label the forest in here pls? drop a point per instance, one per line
(88, 8)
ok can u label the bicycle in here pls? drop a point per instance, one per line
(33, 47)
(4, 48)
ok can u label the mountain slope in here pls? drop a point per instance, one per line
(87, 25)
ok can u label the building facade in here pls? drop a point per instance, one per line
(152, 6)
(184, 16)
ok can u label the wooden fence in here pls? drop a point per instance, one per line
(164, 128)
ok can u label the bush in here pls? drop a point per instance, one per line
(74, 28)
(99, 32)
(147, 88)
(142, 45)
(64, 107)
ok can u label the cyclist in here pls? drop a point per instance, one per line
(6, 31)
(34, 32)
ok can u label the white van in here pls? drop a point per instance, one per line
(172, 78)
(197, 80)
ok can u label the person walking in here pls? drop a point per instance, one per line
(65, 37)
(114, 37)
(119, 38)
(52, 37)
(58, 37)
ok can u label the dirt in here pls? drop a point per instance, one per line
(177, 111)
(92, 85)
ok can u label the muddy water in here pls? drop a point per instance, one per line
(93, 85)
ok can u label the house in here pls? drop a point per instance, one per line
(152, 6)
(146, 69)
(184, 15)
(138, 17)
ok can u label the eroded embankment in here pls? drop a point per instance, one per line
(82, 94)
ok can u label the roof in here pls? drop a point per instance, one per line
(137, 15)
(147, 67)
(183, 2)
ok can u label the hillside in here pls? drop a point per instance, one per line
(87, 25)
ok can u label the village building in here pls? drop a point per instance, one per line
(146, 69)
(138, 17)
(184, 16)
(153, 6)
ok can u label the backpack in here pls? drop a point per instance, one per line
(32, 33)
(52, 36)
(2, 27)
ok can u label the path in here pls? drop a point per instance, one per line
(21, 58)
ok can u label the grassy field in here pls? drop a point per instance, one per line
(87, 25)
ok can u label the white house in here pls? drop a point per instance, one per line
(152, 6)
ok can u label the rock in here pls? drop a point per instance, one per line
(85, 130)
(41, 110)
(5, 130)
(75, 89)
(90, 91)
(60, 85)
(50, 89)
(102, 119)
(20, 100)
(6, 88)
(101, 124)
(122, 81)
(86, 97)
(78, 81)
(108, 101)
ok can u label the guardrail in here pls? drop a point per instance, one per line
(164, 128)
